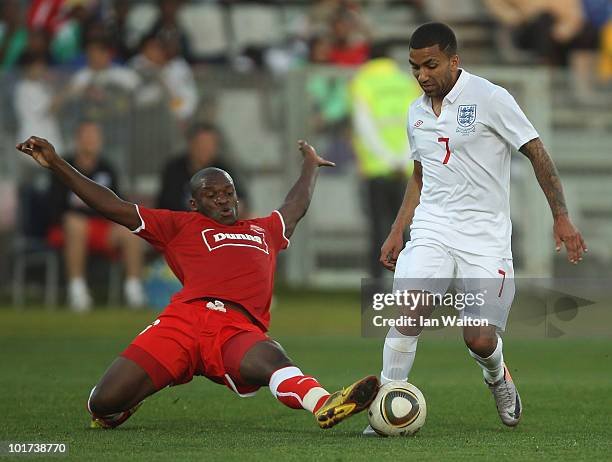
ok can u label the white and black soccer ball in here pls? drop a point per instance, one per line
(399, 409)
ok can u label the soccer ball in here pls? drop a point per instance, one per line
(399, 409)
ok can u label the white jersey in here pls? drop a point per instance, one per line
(465, 155)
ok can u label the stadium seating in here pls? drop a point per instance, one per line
(30, 248)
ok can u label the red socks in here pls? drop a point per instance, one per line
(296, 390)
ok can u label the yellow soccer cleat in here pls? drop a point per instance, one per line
(114, 420)
(347, 402)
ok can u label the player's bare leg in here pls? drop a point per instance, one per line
(485, 346)
(266, 363)
(119, 393)
(75, 255)
(132, 252)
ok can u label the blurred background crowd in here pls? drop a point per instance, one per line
(140, 94)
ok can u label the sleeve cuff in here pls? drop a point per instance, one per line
(142, 223)
(526, 140)
(280, 216)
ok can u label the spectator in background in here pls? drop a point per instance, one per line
(35, 101)
(102, 88)
(77, 25)
(46, 15)
(165, 101)
(13, 34)
(549, 28)
(381, 94)
(329, 94)
(124, 38)
(167, 25)
(166, 77)
(149, 64)
(79, 230)
(37, 47)
(179, 79)
(204, 150)
(329, 97)
(322, 13)
(349, 39)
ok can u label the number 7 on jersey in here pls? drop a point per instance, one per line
(448, 153)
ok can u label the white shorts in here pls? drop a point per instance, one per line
(427, 265)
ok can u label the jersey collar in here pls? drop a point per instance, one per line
(460, 84)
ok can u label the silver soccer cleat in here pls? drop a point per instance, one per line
(507, 399)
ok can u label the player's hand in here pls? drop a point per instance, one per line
(391, 249)
(40, 150)
(566, 233)
(310, 153)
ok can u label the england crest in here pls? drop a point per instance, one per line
(466, 115)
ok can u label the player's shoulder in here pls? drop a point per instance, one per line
(484, 88)
(172, 215)
(414, 109)
(263, 219)
(416, 104)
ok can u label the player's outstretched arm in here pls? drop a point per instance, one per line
(394, 243)
(548, 177)
(298, 199)
(99, 198)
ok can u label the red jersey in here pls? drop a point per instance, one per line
(351, 55)
(230, 262)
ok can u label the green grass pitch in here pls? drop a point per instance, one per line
(50, 361)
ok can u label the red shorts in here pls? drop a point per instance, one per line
(189, 339)
(98, 236)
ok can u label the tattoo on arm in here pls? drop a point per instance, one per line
(547, 175)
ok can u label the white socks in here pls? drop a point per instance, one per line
(79, 298)
(398, 356)
(493, 366)
(134, 293)
(399, 352)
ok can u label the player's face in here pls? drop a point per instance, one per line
(434, 70)
(217, 200)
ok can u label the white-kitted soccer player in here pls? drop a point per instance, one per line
(462, 132)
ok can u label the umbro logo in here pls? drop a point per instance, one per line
(418, 123)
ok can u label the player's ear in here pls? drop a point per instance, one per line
(454, 62)
(193, 205)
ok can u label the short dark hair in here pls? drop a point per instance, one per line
(434, 33)
(200, 177)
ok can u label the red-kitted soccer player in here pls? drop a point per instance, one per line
(216, 325)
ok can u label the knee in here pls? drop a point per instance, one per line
(410, 331)
(103, 401)
(276, 359)
(483, 346)
(265, 358)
